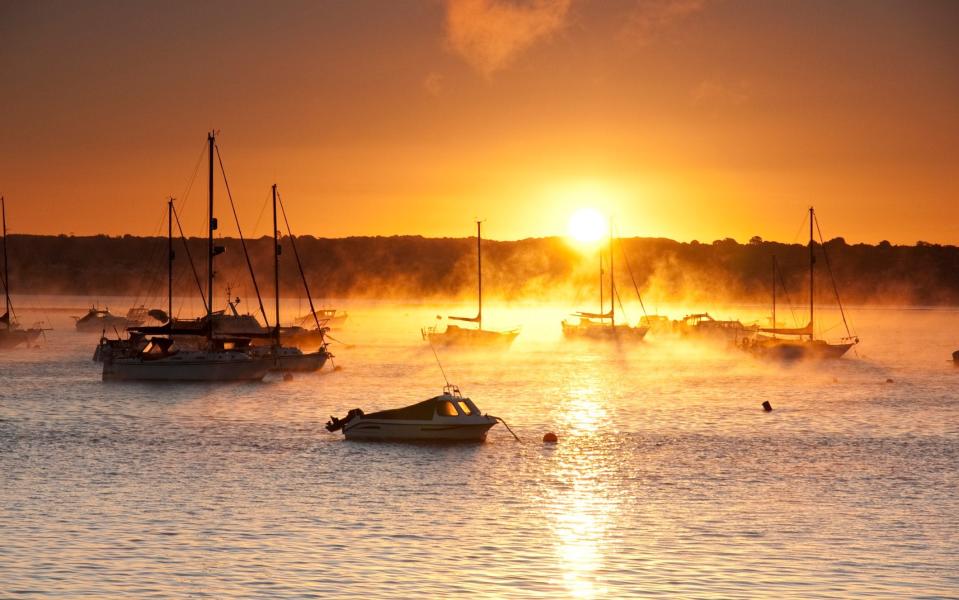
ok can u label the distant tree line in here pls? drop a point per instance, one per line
(542, 268)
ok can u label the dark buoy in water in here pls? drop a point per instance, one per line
(835, 380)
(955, 358)
(767, 406)
(288, 376)
(550, 438)
(890, 381)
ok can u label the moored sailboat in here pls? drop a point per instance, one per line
(290, 358)
(602, 325)
(455, 335)
(11, 334)
(221, 358)
(800, 342)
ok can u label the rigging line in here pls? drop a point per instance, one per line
(259, 217)
(246, 254)
(299, 264)
(789, 300)
(189, 257)
(629, 269)
(436, 356)
(196, 170)
(832, 278)
(799, 231)
(621, 307)
(13, 314)
(150, 277)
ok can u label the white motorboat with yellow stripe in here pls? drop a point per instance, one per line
(449, 417)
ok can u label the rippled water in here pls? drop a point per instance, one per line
(668, 479)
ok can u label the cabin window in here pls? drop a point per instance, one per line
(465, 408)
(445, 409)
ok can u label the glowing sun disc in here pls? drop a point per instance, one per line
(586, 225)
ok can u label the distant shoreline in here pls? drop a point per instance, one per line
(534, 269)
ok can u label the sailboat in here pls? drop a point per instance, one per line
(158, 359)
(602, 325)
(454, 335)
(290, 358)
(800, 342)
(11, 334)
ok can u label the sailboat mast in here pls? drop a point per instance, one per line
(601, 303)
(774, 296)
(209, 263)
(612, 279)
(812, 262)
(170, 256)
(276, 270)
(6, 269)
(479, 272)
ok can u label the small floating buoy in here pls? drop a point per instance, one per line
(890, 381)
(288, 376)
(550, 438)
(767, 406)
(337, 368)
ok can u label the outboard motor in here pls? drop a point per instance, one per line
(335, 424)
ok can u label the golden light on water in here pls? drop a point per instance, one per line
(583, 506)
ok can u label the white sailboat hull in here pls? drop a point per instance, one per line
(188, 366)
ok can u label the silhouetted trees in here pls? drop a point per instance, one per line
(540, 268)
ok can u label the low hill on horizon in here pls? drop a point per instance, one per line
(410, 267)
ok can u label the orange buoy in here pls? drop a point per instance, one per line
(550, 438)
(890, 381)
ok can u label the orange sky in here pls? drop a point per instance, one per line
(689, 119)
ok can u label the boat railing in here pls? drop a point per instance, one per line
(452, 390)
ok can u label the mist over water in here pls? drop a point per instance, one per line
(668, 478)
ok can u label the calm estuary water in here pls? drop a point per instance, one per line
(668, 479)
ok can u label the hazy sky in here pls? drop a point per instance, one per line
(690, 119)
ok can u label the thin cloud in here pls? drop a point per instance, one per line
(489, 34)
(650, 18)
(713, 92)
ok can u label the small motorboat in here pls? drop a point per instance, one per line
(449, 417)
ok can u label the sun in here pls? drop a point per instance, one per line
(587, 225)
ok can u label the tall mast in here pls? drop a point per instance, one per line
(6, 270)
(210, 253)
(170, 257)
(601, 282)
(276, 271)
(812, 262)
(774, 296)
(612, 279)
(479, 272)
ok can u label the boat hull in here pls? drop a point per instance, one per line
(603, 332)
(460, 336)
(11, 338)
(185, 369)
(414, 431)
(792, 350)
(311, 361)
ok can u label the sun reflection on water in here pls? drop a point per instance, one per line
(581, 505)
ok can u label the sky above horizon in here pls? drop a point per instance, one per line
(687, 119)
